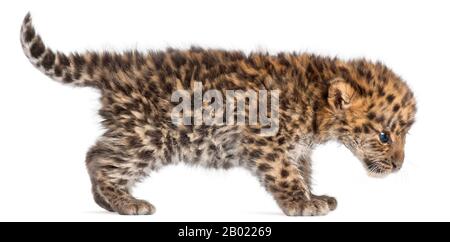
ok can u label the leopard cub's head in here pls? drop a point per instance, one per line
(372, 109)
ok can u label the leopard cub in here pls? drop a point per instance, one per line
(361, 104)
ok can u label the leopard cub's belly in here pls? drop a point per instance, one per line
(214, 147)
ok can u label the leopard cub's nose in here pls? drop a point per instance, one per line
(396, 165)
(397, 160)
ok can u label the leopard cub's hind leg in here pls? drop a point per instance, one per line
(112, 174)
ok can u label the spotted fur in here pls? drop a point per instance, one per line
(321, 99)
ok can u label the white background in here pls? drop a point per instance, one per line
(46, 128)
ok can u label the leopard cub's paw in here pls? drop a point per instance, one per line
(134, 207)
(332, 202)
(317, 206)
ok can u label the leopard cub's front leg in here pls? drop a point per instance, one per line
(288, 184)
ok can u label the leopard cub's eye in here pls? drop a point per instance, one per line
(384, 138)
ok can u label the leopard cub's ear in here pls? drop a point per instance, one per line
(341, 95)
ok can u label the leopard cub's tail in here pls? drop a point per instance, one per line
(70, 69)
